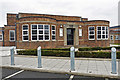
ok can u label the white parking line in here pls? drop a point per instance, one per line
(13, 75)
(71, 77)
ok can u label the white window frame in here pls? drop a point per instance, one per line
(102, 33)
(112, 37)
(117, 37)
(9, 35)
(1, 37)
(39, 34)
(53, 34)
(90, 34)
(26, 34)
(61, 32)
(80, 32)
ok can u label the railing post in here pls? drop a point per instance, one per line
(72, 55)
(113, 56)
(39, 57)
(12, 55)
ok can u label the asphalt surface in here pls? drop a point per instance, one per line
(17, 74)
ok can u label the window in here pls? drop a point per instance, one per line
(116, 37)
(102, 32)
(12, 35)
(91, 33)
(111, 37)
(61, 32)
(25, 33)
(40, 32)
(1, 37)
(53, 32)
(80, 32)
(119, 37)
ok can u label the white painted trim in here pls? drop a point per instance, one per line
(93, 34)
(25, 30)
(9, 35)
(53, 34)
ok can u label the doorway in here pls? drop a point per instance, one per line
(70, 36)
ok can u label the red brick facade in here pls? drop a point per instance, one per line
(16, 21)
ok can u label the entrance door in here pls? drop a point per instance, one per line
(70, 36)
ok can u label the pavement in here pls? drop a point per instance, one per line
(19, 74)
(88, 67)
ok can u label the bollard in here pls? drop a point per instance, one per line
(39, 57)
(72, 51)
(113, 56)
(12, 55)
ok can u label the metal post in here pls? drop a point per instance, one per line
(39, 57)
(12, 55)
(72, 51)
(113, 56)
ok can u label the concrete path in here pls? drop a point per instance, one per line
(93, 67)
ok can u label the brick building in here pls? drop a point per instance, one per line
(115, 34)
(28, 31)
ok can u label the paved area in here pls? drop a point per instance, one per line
(18, 74)
(83, 67)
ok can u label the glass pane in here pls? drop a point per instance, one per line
(91, 28)
(40, 37)
(103, 36)
(99, 28)
(25, 37)
(103, 28)
(34, 31)
(40, 26)
(91, 36)
(25, 27)
(12, 38)
(53, 32)
(40, 31)
(25, 32)
(34, 37)
(0, 36)
(99, 36)
(53, 27)
(46, 37)
(11, 33)
(53, 37)
(106, 36)
(106, 32)
(34, 26)
(46, 32)
(99, 32)
(46, 27)
(103, 32)
(91, 32)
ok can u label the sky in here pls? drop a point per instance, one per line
(91, 9)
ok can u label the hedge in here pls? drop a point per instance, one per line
(85, 54)
(96, 48)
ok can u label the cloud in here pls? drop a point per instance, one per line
(92, 9)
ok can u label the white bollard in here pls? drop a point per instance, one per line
(12, 55)
(72, 56)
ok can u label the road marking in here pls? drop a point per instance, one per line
(13, 75)
(71, 77)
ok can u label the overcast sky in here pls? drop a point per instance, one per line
(91, 9)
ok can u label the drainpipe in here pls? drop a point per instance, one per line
(15, 35)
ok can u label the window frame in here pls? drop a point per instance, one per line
(25, 30)
(80, 32)
(53, 34)
(112, 37)
(10, 37)
(90, 34)
(2, 36)
(40, 34)
(102, 33)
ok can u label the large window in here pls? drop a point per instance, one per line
(12, 35)
(53, 32)
(102, 32)
(40, 32)
(91, 33)
(25, 33)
